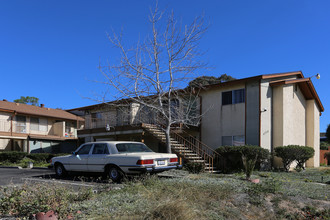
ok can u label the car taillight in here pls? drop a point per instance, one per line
(173, 160)
(143, 162)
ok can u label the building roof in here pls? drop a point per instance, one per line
(24, 109)
(305, 84)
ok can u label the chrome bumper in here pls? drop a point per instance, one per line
(154, 169)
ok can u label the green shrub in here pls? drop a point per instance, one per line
(231, 159)
(286, 153)
(193, 167)
(41, 157)
(292, 153)
(324, 145)
(243, 156)
(302, 155)
(16, 157)
(12, 156)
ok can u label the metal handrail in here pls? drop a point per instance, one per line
(201, 143)
(202, 150)
(195, 148)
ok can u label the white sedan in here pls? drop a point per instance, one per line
(116, 159)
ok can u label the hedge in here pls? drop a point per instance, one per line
(292, 153)
(12, 156)
(16, 156)
(236, 156)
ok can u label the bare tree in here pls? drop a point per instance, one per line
(153, 73)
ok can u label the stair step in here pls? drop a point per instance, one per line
(191, 154)
(197, 161)
(184, 152)
(178, 148)
(210, 168)
(178, 145)
(193, 158)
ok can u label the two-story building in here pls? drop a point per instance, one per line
(33, 129)
(265, 110)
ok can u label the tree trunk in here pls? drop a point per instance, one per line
(168, 140)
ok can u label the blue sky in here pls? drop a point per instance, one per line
(51, 49)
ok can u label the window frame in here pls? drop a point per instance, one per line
(91, 145)
(105, 149)
(232, 100)
(232, 140)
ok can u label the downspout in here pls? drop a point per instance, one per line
(28, 144)
(245, 113)
(260, 112)
(201, 118)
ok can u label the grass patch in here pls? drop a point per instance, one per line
(192, 196)
(29, 199)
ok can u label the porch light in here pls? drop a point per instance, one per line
(317, 76)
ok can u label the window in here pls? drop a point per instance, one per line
(20, 124)
(37, 124)
(34, 124)
(100, 149)
(132, 148)
(233, 97)
(237, 140)
(85, 149)
(227, 98)
(238, 96)
(43, 124)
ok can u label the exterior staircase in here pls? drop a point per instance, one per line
(188, 148)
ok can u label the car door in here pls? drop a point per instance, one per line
(78, 162)
(97, 158)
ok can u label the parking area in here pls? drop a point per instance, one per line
(10, 176)
(14, 176)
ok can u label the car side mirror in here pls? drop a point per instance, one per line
(74, 153)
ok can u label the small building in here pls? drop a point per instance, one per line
(266, 110)
(37, 129)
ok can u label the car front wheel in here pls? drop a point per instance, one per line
(115, 174)
(60, 170)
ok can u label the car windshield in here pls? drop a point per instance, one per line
(132, 148)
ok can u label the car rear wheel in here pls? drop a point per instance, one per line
(60, 170)
(115, 174)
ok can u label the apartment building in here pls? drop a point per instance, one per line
(266, 110)
(37, 128)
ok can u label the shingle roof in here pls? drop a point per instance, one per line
(299, 75)
(20, 108)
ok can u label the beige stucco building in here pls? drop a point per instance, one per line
(37, 128)
(267, 110)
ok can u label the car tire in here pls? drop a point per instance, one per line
(115, 174)
(60, 170)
